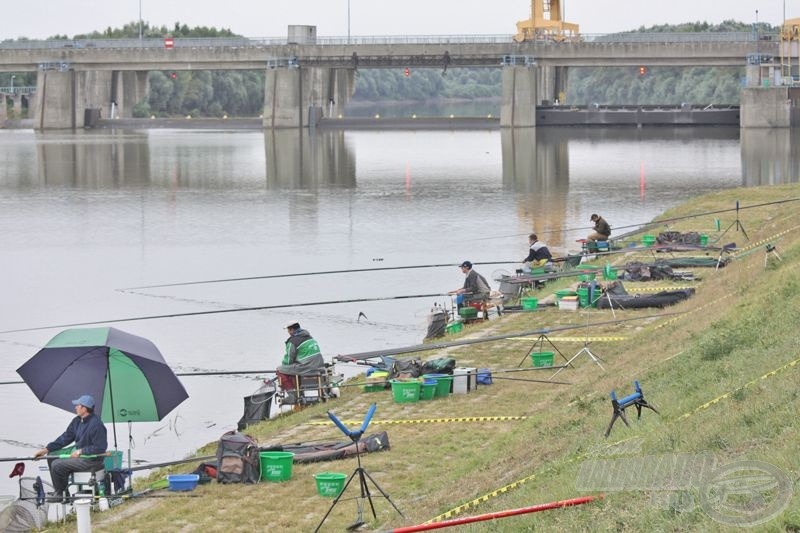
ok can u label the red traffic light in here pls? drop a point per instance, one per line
(407, 72)
(642, 71)
(173, 75)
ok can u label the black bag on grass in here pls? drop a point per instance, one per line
(238, 459)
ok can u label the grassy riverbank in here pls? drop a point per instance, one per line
(719, 367)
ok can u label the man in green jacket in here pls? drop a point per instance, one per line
(302, 358)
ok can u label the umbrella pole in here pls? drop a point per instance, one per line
(111, 397)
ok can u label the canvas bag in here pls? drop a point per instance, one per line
(238, 459)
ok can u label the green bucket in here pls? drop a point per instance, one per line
(703, 239)
(468, 312)
(428, 390)
(565, 292)
(583, 296)
(648, 240)
(454, 327)
(443, 382)
(276, 466)
(529, 304)
(405, 391)
(542, 358)
(330, 484)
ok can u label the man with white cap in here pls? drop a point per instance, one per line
(301, 358)
(88, 433)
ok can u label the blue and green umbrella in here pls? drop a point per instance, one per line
(126, 374)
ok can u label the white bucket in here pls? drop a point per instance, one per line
(464, 380)
(82, 507)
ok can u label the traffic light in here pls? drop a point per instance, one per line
(173, 75)
(407, 72)
(642, 71)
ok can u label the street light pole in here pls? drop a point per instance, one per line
(140, 22)
(348, 21)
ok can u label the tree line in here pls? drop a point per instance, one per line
(241, 93)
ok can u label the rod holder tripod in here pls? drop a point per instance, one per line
(636, 399)
(540, 343)
(363, 475)
(737, 224)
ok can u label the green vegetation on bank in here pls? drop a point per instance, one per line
(722, 369)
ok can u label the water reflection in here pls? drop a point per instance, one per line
(304, 159)
(770, 156)
(92, 160)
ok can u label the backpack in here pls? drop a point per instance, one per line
(238, 459)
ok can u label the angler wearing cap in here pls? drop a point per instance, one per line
(88, 433)
(602, 231)
(302, 356)
(475, 286)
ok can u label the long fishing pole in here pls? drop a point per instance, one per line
(645, 224)
(298, 274)
(353, 358)
(168, 463)
(231, 310)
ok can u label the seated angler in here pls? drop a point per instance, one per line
(475, 288)
(539, 255)
(88, 433)
(302, 358)
(602, 231)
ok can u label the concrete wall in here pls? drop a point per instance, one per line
(289, 92)
(518, 107)
(55, 94)
(766, 107)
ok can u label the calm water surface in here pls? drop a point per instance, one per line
(85, 214)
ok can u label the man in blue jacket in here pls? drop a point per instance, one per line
(88, 433)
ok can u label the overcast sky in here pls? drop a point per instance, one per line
(38, 19)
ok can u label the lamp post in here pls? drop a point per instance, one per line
(140, 22)
(348, 21)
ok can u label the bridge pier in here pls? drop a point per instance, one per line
(63, 95)
(518, 107)
(290, 92)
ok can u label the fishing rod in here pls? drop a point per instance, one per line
(229, 310)
(168, 463)
(642, 225)
(351, 358)
(50, 456)
(298, 274)
(535, 380)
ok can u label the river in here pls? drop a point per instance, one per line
(84, 214)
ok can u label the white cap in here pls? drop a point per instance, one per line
(292, 323)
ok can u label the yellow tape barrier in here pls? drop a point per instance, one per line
(659, 289)
(433, 420)
(474, 503)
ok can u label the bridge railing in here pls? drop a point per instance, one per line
(17, 90)
(217, 42)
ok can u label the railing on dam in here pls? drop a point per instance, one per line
(247, 42)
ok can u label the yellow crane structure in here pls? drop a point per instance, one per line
(790, 49)
(546, 23)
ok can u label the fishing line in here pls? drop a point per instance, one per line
(642, 225)
(233, 310)
(316, 273)
(361, 357)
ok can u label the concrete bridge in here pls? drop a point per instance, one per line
(308, 78)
